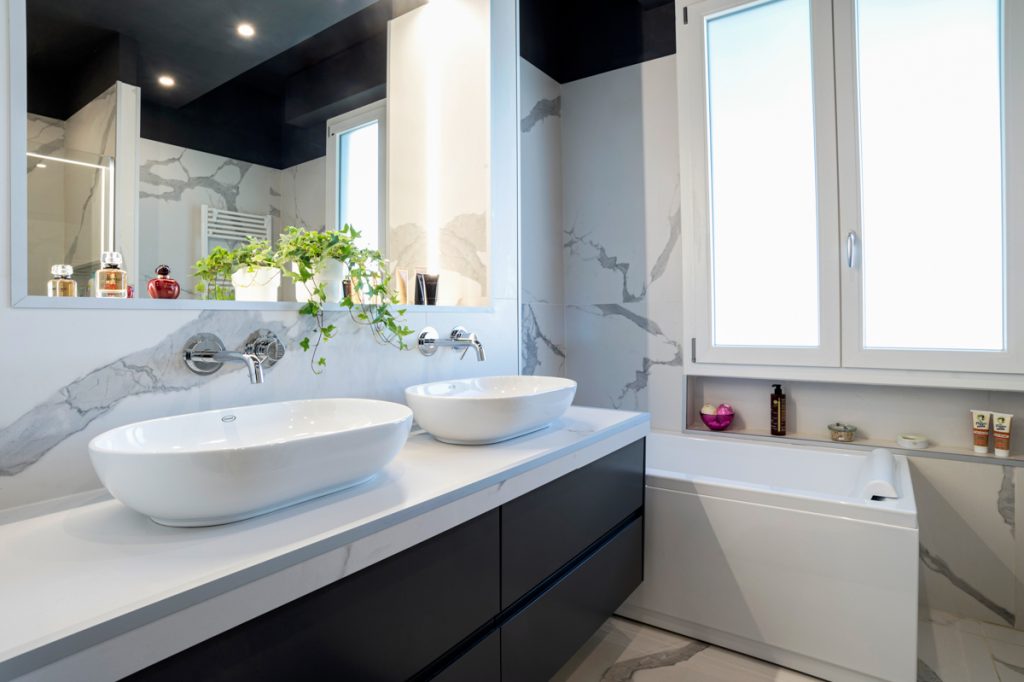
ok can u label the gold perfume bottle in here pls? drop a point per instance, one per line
(61, 285)
(111, 280)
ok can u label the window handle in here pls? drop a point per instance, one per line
(851, 249)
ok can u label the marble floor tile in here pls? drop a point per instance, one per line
(625, 651)
(940, 652)
(1007, 659)
(950, 649)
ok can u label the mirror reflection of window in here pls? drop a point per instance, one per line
(357, 163)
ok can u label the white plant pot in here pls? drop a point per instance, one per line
(331, 275)
(260, 284)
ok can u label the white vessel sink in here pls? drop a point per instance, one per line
(215, 467)
(489, 409)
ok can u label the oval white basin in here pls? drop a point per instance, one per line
(219, 466)
(489, 409)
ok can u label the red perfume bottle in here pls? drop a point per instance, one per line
(163, 286)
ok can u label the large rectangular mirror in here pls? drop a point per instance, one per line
(169, 133)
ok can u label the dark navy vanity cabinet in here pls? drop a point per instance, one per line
(509, 596)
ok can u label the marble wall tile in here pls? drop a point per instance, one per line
(621, 240)
(967, 548)
(542, 339)
(174, 184)
(540, 186)
(303, 196)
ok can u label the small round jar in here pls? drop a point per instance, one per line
(841, 433)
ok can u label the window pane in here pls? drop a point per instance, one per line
(763, 190)
(358, 180)
(931, 167)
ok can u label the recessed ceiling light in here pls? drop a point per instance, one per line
(165, 81)
(246, 30)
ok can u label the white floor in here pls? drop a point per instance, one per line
(950, 649)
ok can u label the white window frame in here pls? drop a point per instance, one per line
(338, 126)
(1009, 360)
(694, 153)
(841, 355)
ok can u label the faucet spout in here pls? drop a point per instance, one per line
(251, 361)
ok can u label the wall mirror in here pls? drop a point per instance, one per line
(163, 130)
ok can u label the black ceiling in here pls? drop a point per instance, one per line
(573, 39)
(195, 41)
(262, 100)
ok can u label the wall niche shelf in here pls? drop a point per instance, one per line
(936, 451)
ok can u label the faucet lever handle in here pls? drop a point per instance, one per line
(265, 345)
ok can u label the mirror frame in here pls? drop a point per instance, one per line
(503, 212)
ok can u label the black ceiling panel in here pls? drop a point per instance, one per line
(573, 39)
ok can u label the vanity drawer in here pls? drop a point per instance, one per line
(545, 529)
(480, 664)
(386, 622)
(538, 641)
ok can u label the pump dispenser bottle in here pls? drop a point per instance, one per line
(778, 411)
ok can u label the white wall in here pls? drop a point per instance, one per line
(70, 374)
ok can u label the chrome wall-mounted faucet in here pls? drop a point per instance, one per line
(205, 353)
(429, 342)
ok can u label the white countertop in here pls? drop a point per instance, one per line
(73, 579)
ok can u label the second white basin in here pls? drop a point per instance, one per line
(219, 466)
(489, 409)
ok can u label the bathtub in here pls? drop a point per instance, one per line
(779, 552)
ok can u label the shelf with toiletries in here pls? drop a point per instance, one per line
(935, 450)
(872, 415)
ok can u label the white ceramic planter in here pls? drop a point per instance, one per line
(330, 275)
(260, 284)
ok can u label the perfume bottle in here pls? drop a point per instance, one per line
(111, 280)
(61, 285)
(163, 285)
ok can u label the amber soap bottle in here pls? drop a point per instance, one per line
(778, 405)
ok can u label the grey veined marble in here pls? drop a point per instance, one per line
(585, 246)
(540, 354)
(170, 178)
(940, 566)
(542, 109)
(623, 671)
(157, 369)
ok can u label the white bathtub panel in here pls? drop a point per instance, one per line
(835, 590)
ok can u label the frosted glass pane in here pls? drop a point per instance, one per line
(763, 188)
(358, 180)
(931, 167)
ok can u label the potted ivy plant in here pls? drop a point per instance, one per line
(214, 272)
(257, 277)
(312, 258)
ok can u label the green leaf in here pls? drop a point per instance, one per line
(304, 344)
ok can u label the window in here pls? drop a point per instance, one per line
(356, 172)
(901, 182)
(767, 168)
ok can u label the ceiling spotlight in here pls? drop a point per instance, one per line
(165, 81)
(246, 30)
